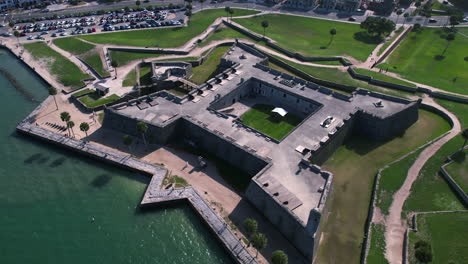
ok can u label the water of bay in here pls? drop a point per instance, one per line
(57, 207)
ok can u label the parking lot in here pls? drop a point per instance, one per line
(124, 19)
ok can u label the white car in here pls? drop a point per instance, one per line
(30, 38)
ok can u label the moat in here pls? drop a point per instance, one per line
(59, 207)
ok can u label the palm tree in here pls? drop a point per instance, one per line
(17, 35)
(65, 117)
(127, 140)
(279, 257)
(142, 128)
(11, 24)
(138, 3)
(84, 127)
(399, 12)
(231, 12)
(265, 24)
(188, 13)
(250, 226)
(114, 65)
(332, 33)
(465, 136)
(53, 92)
(450, 37)
(201, 2)
(406, 15)
(259, 242)
(226, 9)
(71, 124)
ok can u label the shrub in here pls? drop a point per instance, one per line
(423, 251)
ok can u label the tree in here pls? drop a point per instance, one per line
(378, 26)
(84, 127)
(450, 37)
(455, 20)
(416, 27)
(189, 7)
(17, 35)
(127, 9)
(188, 13)
(250, 226)
(423, 251)
(265, 24)
(417, 4)
(227, 9)
(279, 257)
(53, 92)
(406, 15)
(142, 128)
(201, 2)
(127, 140)
(332, 34)
(65, 117)
(11, 24)
(114, 65)
(259, 242)
(138, 3)
(465, 137)
(231, 12)
(71, 124)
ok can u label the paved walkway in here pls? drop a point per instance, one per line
(395, 226)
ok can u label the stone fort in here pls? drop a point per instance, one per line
(286, 185)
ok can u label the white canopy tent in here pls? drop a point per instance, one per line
(280, 111)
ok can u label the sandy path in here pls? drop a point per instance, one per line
(395, 226)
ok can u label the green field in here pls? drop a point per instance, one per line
(66, 72)
(376, 253)
(421, 58)
(165, 37)
(208, 69)
(73, 45)
(94, 100)
(354, 166)
(124, 57)
(82, 92)
(430, 192)
(130, 79)
(261, 118)
(382, 77)
(93, 59)
(311, 37)
(446, 232)
(458, 170)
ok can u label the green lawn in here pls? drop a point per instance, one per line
(311, 37)
(430, 192)
(421, 58)
(447, 235)
(124, 57)
(65, 71)
(376, 253)
(130, 79)
(145, 74)
(82, 92)
(94, 100)
(262, 119)
(73, 45)
(354, 166)
(391, 180)
(382, 77)
(93, 59)
(342, 77)
(208, 69)
(165, 37)
(388, 42)
(458, 170)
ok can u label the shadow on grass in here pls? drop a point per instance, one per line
(366, 38)
(362, 145)
(439, 57)
(459, 157)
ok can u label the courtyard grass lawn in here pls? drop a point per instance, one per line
(354, 166)
(382, 77)
(171, 37)
(124, 57)
(376, 253)
(446, 232)
(341, 77)
(93, 59)
(94, 100)
(430, 191)
(82, 92)
(73, 45)
(130, 79)
(311, 36)
(208, 69)
(66, 72)
(261, 118)
(421, 58)
(458, 169)
(390, 41)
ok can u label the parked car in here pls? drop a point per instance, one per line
(432, 20)
(351, 19)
